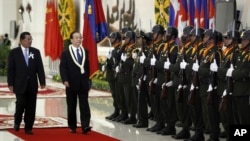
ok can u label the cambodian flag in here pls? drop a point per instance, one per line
(191, 10)
(197, 13)
(204, 21)
(211, 14)
(94, 30)
(182, 16)
(171, 15)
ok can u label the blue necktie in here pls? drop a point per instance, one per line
(79, 57)
(26, 56)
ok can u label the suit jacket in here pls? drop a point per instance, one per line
(19, 74)
(70, 72)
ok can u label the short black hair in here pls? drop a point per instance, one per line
(72, 33)
(23, 34)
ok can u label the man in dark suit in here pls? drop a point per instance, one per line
(25, 68)
(74, 71)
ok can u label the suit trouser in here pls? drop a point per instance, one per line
(112, 84)
(26, 103)
(210, 111)
(168, 107)
(71, 99)
(195, 112)
(182, 110)
(241, 108)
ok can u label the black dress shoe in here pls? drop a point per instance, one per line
(183, 134)
(86, 130)
(223, 134)
(16, 127)
(72, 130)
(28, 132)
(130, 121)
(141, 125)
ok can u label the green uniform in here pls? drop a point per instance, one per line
(182, 107)
(195, 110)
(153, 97)
(241, 89)
(209, 111)
(126, 79)
(167, 105)
(112, 80)
(226, 60)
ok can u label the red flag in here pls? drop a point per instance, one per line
(53, 41)
(94, 30)
(211, 14)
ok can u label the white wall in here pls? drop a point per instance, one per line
(144, 11)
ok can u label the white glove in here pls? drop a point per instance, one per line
(210, 88)
(144, 77)
(163, 84)
(195, 66)
(117, 69)
(123, 57)
(142, 58)
(230, 71)
(183, 65)
(137, 87)
(103, 67)
(155, 81)
(150, 83)
(134, 55)
(167, 64)
(179, 87)
(214, 66)
(169, 84)
(192, 87)
(109, 55)
(224, 93)
(152, 61)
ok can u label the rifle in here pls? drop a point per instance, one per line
(211, 94)
(195, 81)
(142, 84)
(180, 90)
(225, 99)
(152, 85)
(167, 78)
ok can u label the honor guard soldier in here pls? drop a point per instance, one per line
(194, 100)
(119, 85)
(240, 73)
(113, 59)
(166, 84)
(184, 85)
(126, 79)
(158, 32)
(208, 83)
(140, 80)
(228, 56)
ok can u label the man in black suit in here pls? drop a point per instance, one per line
(74, 71)
(25, 68)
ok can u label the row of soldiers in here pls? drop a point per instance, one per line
(201, 81)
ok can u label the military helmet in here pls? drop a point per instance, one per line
(233, 35)
(158, 29)
(148, 36)
(246, 35)
(197, 32)
(172, 31)
(130, 35)
(115, 35)
(187, 29)
(212, 34)
(125, 29)
(219, 37)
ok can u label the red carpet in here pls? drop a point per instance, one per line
(61, 134)
(49, 91)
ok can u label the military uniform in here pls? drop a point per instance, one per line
(112, 80)
(167, 104)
